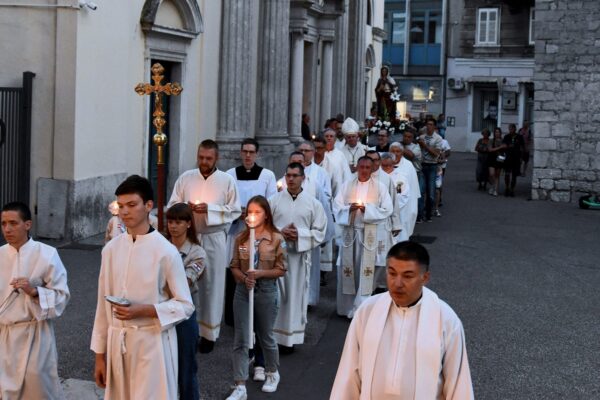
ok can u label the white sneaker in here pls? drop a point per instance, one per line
(259, 374)
(272, 380)
(239, 393)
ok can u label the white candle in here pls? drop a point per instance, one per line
(251, 251)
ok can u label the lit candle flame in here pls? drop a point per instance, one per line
(113, 207)
(279, 185)
(196, 202)
(251, 220)
(314, 137)
(359, 202)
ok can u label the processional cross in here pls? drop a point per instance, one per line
(159, 139)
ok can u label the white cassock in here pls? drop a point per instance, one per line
(380, 268)
(353, 154)
(141, 354)
(339, 143)
(254, 182)
(321, 179)
(310, 220)
(28, 360)
(406, 168)
(402, 199)
(365, 238)
(220, 192)
(398, 353)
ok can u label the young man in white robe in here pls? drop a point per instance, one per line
(251, 180)
(406, 168)
(302, 221)
(362, 208)
(214, 198)
(405, 343)
(321, 178)
(142, 294)
(353, 149)
(33, 291)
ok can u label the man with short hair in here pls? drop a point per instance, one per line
(301, 220)
(431, 147)
(352, 150)
(143, 293)
(409, 213)
(383, 139)
(33, 291)
(405, 343)
(213, 196)
(336, 157)
(362, 209)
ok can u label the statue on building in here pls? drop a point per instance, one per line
(386, 85)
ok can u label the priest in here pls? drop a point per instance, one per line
(403, 196)
(362, 208)
(302, 221)
(214, 198)
(406, 168)
(33, 292)
(353, 149)
(405, 343)
(142, 294)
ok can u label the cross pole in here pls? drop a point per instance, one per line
(159, 139)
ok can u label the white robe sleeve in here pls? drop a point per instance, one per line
(179, 306)
(53, 292)
(271, 185)
(403, 197)
(375, 214)
(396, 225)
(326, 203)
(347, 382)
(341, 210)
(311, 237)
(455, 367)
(100, 331)
(178, 193)
(224, 214)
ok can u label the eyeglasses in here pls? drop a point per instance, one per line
(292, 176)
(249, 152)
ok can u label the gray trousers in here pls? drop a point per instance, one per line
(266, 306)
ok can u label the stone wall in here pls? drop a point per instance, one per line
(567, 100)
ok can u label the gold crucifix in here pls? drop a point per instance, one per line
(159, 139)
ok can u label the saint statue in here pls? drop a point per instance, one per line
(386, 85)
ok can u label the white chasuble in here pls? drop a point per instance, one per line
(220, 192)
(28, 360)
(399, 353)
(141, 354)
(308, 216)
(364, 238)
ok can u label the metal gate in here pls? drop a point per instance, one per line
(15, 141)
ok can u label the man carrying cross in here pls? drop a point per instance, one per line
(362, 208)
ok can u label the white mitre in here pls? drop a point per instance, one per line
(350, 126)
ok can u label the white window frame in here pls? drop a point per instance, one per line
(489, 41)
(532, 25)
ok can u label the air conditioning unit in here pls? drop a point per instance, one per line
(456, 83)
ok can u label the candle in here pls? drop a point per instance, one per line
(314, 137)
(251, 220)
(279, 186)
(196, 202)
(113, 207)
(359, 202)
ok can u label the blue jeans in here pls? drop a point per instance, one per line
(266, 306)
(421, 210)
(187, 337)
(429, 174)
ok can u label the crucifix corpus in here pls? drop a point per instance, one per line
(159, 121)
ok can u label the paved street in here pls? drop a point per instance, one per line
(522, 275)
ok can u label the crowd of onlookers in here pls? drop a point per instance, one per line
(499, 153)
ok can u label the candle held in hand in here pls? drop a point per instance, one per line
(113, 208)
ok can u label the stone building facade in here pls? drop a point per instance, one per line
(567, 104)
(249, 68)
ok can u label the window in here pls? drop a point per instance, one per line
(398, 27)
(531, 25)
(488, 24)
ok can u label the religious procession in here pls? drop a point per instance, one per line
(232, 200)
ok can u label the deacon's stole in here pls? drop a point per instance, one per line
(351, 238)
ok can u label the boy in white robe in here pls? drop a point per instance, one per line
(134, 330)
(302, 222)
(363, 209)
(33, 291)
(214, 198)
(405, 343)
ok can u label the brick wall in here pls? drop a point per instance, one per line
(567, 100)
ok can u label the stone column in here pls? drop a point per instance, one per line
(326, 82)
(296, 86)
(355, 104)
(273, 71)
(237, 80)
(340, 63)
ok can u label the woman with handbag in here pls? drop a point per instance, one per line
(496, 159)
